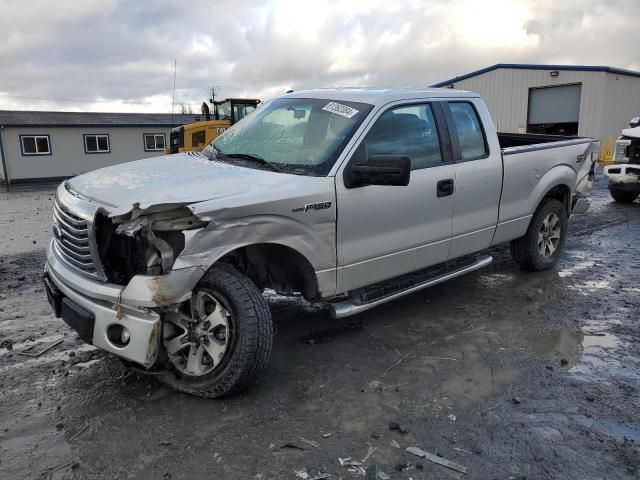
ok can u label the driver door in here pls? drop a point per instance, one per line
(386, 231)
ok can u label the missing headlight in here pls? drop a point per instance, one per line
(148, 244)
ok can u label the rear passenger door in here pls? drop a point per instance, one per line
(386, 231)
(478, 175)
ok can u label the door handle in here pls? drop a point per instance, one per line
(445, 187)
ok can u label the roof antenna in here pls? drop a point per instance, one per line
(173, 100)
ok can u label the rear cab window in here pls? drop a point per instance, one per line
(469, 130)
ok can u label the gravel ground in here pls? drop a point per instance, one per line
(512, 375)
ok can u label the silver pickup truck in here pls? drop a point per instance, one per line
(348, 197)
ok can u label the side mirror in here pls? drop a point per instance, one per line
(390, 170)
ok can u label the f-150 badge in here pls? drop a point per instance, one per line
(312, 207)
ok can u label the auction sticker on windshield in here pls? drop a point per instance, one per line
(340, 109)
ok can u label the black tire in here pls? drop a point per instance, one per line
(251, 343)
(525, 250)
(622, 196)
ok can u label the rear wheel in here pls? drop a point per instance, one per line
(622, 196)
(219, 343)
(544, 241)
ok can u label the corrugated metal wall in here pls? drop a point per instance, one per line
(622, 94)
(506, 92)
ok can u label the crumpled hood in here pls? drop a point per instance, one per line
(632, 132)
(183, 178)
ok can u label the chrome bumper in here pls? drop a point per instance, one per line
(142, 293)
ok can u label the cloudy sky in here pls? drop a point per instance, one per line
(116, 55)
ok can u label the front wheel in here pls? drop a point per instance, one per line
(622, 196)
(218, 343)
(544, 241)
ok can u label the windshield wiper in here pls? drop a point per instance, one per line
(254, 158)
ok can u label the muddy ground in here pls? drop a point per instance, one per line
(512, 375)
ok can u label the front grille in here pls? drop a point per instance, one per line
(621, 151)
(633, 151)
(72, 239)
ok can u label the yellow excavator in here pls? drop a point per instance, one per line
(195, 136)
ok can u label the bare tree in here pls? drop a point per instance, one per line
(185, 109)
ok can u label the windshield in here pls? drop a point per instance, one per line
(295, 135)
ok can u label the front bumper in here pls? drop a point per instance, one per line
(136, 303)
(624, 175)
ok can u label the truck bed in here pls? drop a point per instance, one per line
(509, 140)
(527, 159)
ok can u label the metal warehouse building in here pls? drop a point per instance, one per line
(593, 101)
(38, 146)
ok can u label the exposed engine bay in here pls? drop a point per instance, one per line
(145, 243)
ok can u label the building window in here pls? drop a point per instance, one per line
(35, 145)
(153, 142)
(97, 144)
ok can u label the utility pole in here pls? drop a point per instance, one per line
(173, 100)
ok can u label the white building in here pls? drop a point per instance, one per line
(42, 146)
(592, 101)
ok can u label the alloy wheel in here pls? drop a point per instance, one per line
(196, 343)
(549, 235)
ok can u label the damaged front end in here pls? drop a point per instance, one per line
(142, 242)
(624, 174)
(111, 276)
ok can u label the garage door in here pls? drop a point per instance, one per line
(554, 104)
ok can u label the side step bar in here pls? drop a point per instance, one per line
(359, 302)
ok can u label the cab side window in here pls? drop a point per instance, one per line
(407, 130)
(470, 134)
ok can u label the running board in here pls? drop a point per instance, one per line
(370, 297)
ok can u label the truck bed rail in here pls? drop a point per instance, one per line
(512, 143)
